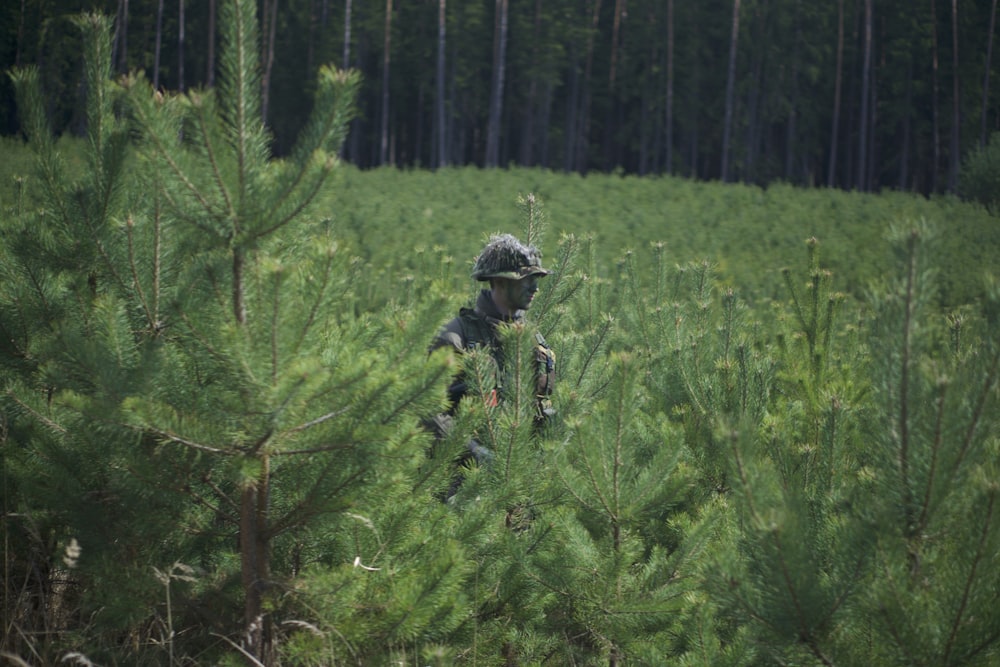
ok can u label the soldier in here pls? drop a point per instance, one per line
(512, 270)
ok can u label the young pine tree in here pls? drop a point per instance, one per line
(187, 368)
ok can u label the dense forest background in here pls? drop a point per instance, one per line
(777, 437)
(854, 94)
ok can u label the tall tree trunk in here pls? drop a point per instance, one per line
(20, 36)
(831, 171)
(791, 136)
(904, 158)
(121, 43)
(545, 117)
(530, 111)
(865, 96)
(440, 145)
(496, 89)
(727, 127)
(754, 103)
(935, 117)
(255, 565)
(269, 38)
(615, 33)
(615, 111)
(670, 88)
(955, 157)
(694, 116)
(986, 74)
(384, 141)
(210, 55)
(180, 46)
(572, 110)
(582, 143)
(159, 41)
(347, 34)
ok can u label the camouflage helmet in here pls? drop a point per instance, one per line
(506, 257)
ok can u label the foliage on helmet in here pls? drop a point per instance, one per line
(506, 257)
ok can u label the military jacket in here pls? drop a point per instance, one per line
(477, 327)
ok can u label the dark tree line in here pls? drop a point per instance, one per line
(858, 94)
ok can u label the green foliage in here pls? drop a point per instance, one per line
(213, 371)
(979, 178)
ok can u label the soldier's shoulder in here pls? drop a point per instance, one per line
(451, 334)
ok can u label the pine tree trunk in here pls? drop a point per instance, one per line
(904, 159)
(120, 58)
(955, 158)
(572, 109)
(935, 118)
(180, 46)
(387, 44)
(496, 89)
(255, 565)
(793, 101)
(347, 34)
(159, 41)
(530, 112)
(831, 172)
(670, 88)
(20, 36)
(986, 74)
(269, 38)
(441, 153)
(210, 55)
(730, 88)
(613, 120)
(754, 102)
(615, 32)
(582, 138)
(865, 97)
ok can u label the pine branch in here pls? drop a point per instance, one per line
(310, 506)
(178, 439)
(319, 420)
(150, 132)
(304, 201)
(40, 417)
(108, 261)
(137, 285)
(988, 383)
(592, 352)
(213, 160)
(971, 579)
(402, 405)
(318, 299)
(323, 449)
(904, 384)
(157, 264)
(275, 304)
(935, 451)
(894, 631)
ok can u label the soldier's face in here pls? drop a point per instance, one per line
(518, 294)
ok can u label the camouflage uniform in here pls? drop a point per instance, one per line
(503, 257)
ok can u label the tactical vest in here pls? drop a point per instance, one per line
(478, 331)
